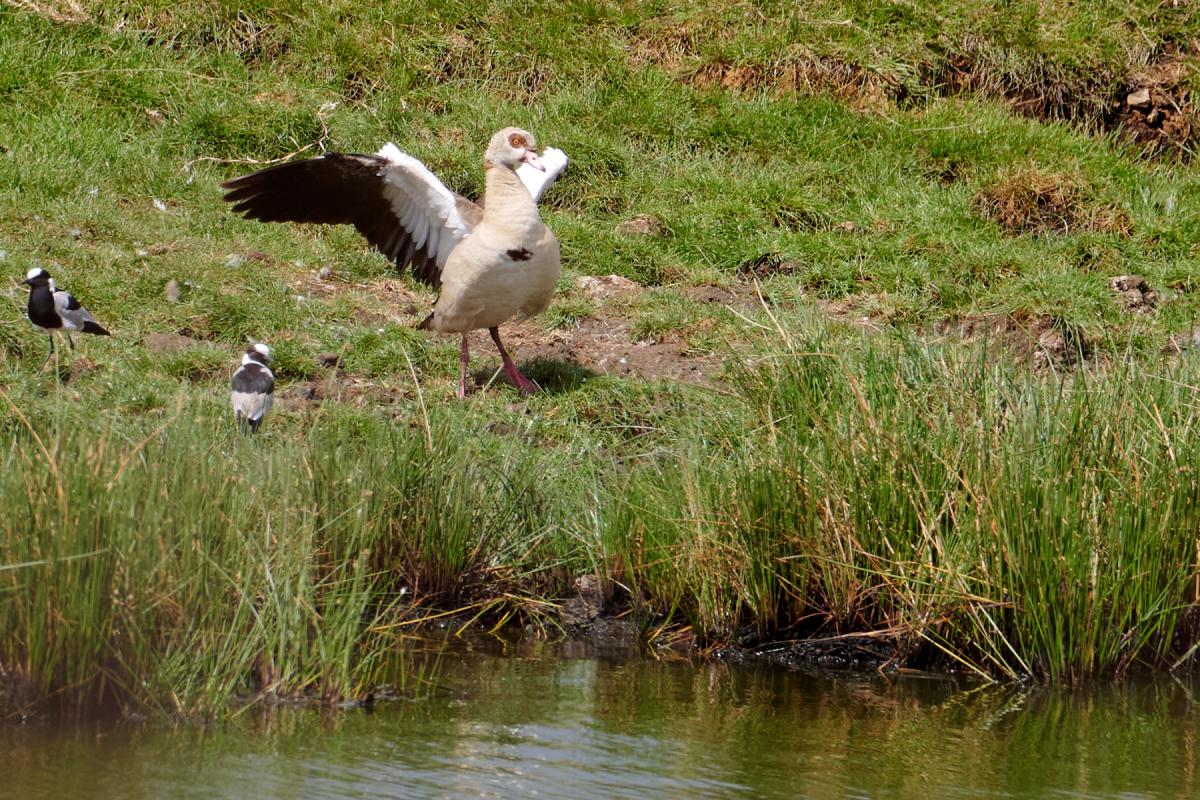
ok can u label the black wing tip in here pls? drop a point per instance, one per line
(92, 327)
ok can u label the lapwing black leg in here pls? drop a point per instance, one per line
(49, 354)
(464, 357)
(71, 342)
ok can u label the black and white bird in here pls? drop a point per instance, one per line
(494, 261)
(253, 388)
(55, 310)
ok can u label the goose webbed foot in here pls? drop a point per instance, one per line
(523, 384)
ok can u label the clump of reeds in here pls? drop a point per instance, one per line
(972, 512)
(180, 566)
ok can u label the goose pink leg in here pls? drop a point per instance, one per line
(525, 385)
(462, 373)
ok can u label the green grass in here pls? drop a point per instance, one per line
(156, 560)
(974, 511)
(1010, 524)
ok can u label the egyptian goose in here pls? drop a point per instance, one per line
(252, 388)
(494, 261)
(54, 310)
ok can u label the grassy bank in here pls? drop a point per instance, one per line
(914, 405)
(971, 514)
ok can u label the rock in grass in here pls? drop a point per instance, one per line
(159, 343)
(642, 225)
(329, 359)
(172, 291)
(598, 287)
(1138, 99)
(1059, 344)
(1188, 340)
(1134, 293)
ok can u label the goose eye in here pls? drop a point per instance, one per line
(516, 140)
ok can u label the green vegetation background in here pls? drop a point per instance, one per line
(969, 510)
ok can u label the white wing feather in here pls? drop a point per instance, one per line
(423, 204)
(536, 181)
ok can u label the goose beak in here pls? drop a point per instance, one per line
(531, 158)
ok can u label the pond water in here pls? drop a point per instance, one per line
(572, 721)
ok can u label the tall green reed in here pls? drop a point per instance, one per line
(1012, 522)
(180, 565)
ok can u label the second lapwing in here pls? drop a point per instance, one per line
(253, 388)
(54, 310)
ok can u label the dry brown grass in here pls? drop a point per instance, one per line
(801, 73)
(56, 10)
(1030, 200)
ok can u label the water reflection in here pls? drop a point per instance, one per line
(611, 725)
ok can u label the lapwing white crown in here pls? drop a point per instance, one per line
(494, 261)
(253, 388)
(55, 310)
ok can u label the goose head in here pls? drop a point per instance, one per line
(512, 147)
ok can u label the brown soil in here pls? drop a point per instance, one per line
(1156, 110)
(604, 345)
(163, 343)
(767, 264)
(643, 225)
(342, 388)
(1045, 342)
(852, 311)
(605, 287)
(1165, 120)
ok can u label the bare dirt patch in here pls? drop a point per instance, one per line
(740, 296)
(1045, 342)
(1156, 109)
(765, 265)
(852, 310)
(341, 388)
(604, 345)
